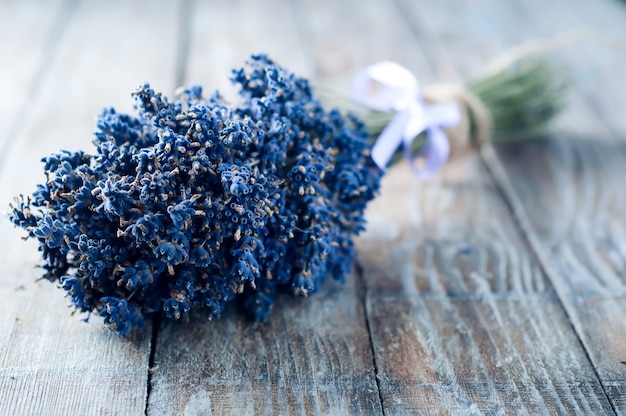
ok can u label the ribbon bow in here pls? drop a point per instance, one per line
(399, 91)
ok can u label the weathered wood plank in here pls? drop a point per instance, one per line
(572, 198)
(29, 37)
(314, 355)
(51, 362)
(344, 36)
(488, 354)
(225, 33)
(462, 318)
(583, 249)
(466, 273)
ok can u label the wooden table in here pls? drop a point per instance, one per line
(497, 288)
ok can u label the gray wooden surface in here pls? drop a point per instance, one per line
(496, 288)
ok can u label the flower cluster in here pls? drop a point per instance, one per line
(194, 203)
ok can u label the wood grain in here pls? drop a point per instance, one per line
(583, 249)
(314, 355)
(496, 288)
(462, 318)
(479, 324)
(568, 190)
(225, 33)
(51, 362)
(485, 354)
(29, 38)
(344, 36)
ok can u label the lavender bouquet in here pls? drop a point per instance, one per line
(192, 203)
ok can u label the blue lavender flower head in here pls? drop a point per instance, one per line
(192, 203)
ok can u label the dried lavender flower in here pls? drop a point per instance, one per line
(193, 203)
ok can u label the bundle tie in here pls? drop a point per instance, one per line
(390, 87)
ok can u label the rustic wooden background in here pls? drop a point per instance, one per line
(497, 288)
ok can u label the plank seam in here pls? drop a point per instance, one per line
(362, 290)
(151, 360)
(505, 188)
(182, 57)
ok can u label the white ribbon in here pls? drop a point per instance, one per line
(388, 86)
